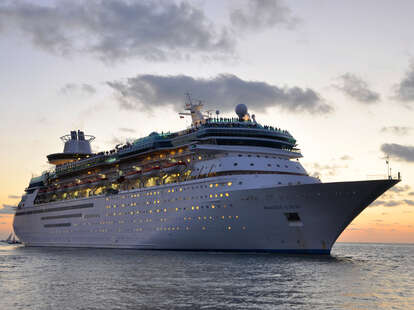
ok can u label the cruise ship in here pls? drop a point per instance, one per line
(222, 184)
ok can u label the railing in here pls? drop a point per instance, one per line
(139, 143)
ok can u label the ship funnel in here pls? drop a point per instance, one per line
(77, 143)
(77, 146)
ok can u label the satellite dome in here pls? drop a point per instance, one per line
(241, 110)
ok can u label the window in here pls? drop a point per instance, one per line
(292, 217)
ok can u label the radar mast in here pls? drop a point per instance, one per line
(197, 116)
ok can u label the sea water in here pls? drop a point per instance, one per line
(354, 276)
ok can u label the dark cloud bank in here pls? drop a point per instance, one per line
(356, 88)
(156, 30)
(224, 91)
(115, 30)
(259, 14)
(7, 209)
(71, 88)
(404, 90)
(398, 151)
(397, 130)
(392, 203)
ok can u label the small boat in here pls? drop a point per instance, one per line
(11, 239)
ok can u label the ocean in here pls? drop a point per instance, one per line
(354, 276)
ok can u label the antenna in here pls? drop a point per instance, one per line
(387, 161)
(187, 94)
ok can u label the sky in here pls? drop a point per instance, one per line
(339, 75)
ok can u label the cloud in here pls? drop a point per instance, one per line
(325, 170)
(409, 202)
(119, 140)
(224, 91)
(356, 88)
(259, 14)
(7, 209)
(398, 151)
(397, 130)
(15, 196)
(129, 130)
(71, 88)
(404, 90)
(346, 157)
(115, 30)
(383, 203)
(399, 189)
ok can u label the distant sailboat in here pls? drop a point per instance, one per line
(11, 239)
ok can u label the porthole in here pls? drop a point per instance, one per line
(235, 164)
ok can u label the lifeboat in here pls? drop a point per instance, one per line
(133, 174)
(174, 167)
(59, 189)
(150, 172)
(51, 189)
(77, 184)
(67, 186)
(98, 181)
(83, 184)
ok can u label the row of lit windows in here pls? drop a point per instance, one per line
(165, 210)
(223, 217)
(141, 229)
(266, 156)
(172, 190)
(154, 202)
(148, 220)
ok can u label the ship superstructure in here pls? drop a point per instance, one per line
(221, 184)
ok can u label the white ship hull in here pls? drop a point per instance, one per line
(240, 213)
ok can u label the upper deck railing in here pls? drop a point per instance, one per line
(142, 143)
